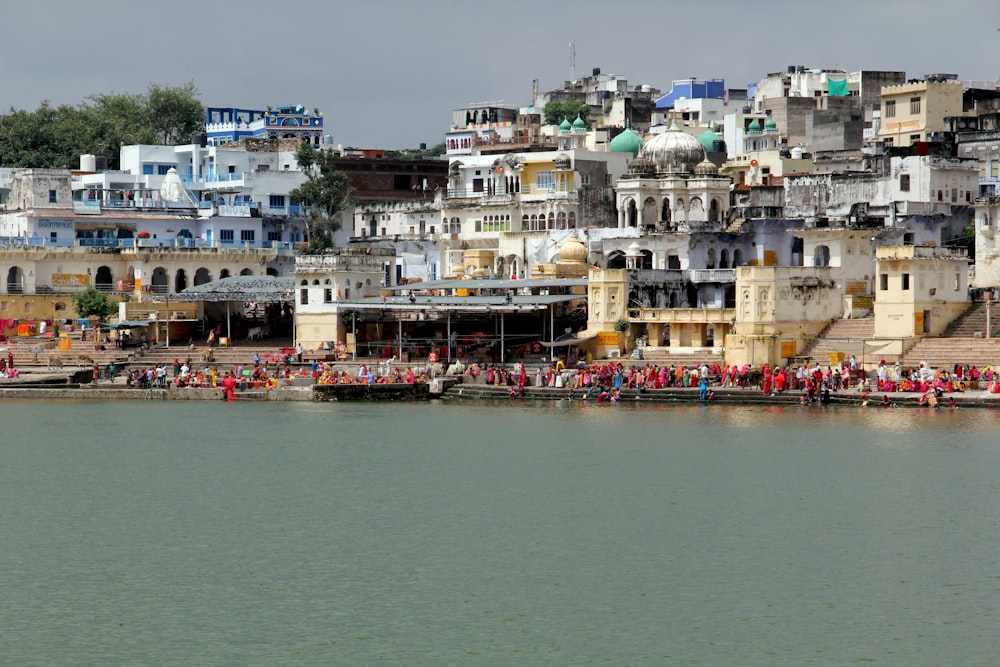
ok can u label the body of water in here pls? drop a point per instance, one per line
(206, 533)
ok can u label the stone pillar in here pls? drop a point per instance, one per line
(680, 336)
(699, 335)
(621, 218)
(655, 334)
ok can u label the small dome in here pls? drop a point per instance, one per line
(708, 139)
(770, 125)
(640, 166)
(634, 250)
(754, 127)
(578, 124)
(626, 142)
(565, 126)
(573, 251)
(706, 168)
(674, 151)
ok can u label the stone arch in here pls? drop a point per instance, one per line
(180, 280)
(272, 272)
(571, 220)
(737, 258)
(160, 281)
(665, 215)
(202, 276)
(650, 215)
(246, 272)
(616, 260)
(724, 259)
(104, 280)
(631, 213)
(224, 273)
(710, 259)
(714, 210)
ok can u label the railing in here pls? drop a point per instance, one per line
(35, 241)
(288, 211)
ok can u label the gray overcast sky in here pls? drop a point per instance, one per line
(388, 73)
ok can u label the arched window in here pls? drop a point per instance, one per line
(572, 220)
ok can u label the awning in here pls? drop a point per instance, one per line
(126, 324)
(569, 339)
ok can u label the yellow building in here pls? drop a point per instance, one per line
(919, 290)
(778, 310)
(911, 112)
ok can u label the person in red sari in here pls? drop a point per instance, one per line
(768, 382)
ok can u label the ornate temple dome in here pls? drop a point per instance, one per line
(708, 138)
(674, 151)
(626, 142)
(573, 251)
(706, 168)
(641, 166)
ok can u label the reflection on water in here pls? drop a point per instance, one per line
(496, 533)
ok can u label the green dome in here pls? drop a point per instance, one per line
(578, 124)
(565, 125)
(754, 127)
(708, 139)
(770, 125)
(626, 142)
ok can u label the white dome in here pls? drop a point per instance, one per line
(674, 151)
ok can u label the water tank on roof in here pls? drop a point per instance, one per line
(328, 139)
(199, 139)
(88, 163)
(797, 152)
(597, 71)
(100, 163)
(646, 88)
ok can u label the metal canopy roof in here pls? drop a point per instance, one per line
(473, 283)
(238, 288)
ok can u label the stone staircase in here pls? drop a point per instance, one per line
(963, 342)
(665, 356)
(854, 336)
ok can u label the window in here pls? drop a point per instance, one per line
(226, 235)
(247, 235)
(545, 180)
(276, 236)
(584, 180)
(883, 281)
(954, 195)
(477, 185)
(327, 295)
(276, 201)
(914, 105)
(147, 170)
(52, 196)
(304, 296)
(162, 169)
(906, 282)
(890, 109)
(53, 237)
(957, 279)
(904, 182)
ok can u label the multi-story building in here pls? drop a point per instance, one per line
(224, 125)
(915, 111)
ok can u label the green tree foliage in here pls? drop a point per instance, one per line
(558, 110)
(55, 137)
(323, 196)
(91, 302)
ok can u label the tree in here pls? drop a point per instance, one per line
(175, 112)
(56, 137)
(323, 196)
(91, 302)
(557, 111)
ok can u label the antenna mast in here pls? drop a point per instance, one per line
(572, 60)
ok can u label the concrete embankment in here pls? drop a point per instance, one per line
(729, 396)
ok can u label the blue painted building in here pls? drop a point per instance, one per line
(225, 125)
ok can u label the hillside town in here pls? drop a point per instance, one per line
(816, 216)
